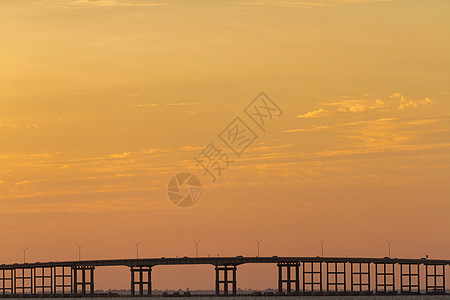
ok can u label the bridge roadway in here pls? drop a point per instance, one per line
(221, 261)
(77, 277)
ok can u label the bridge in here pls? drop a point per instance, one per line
(296, 275)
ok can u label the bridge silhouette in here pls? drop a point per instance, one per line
(296, 275)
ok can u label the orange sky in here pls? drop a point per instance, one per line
(103, 101)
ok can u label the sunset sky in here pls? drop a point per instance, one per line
(102, 102)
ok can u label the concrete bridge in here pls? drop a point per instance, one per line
(296, 275)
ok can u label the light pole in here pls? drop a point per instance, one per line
(196, 247)
(389, 247)
(321, 246)
(24, 254)
(79, 251)
(258, 242)
(137, 249)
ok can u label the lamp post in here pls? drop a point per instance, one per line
(258, 242)
(137, 249)
(321, 246)
(389, 247)
(24, 254)
(79, 251)
(196, 247)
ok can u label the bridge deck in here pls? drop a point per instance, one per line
(220, 261)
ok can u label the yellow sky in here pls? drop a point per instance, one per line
(103, 101)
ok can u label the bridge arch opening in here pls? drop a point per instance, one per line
(257, 278)
(197, 279)
(112, 279)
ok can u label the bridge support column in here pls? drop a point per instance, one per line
(336, 277)
(409, 279)
(360, 277)
(23, 281)
(86, 274)
(290, 268)
(312, 276)
(226, 281)
(62, 280)
(434, 279)
(43, 280)
(141, 277)
(385, 278)
(6, 282)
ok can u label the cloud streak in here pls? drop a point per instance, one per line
(394, 102)
(314, 114)
(167, 104)
(102, 3)
(302, 3)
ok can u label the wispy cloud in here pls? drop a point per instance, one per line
(387, 134)
(167, 104)
(102, 3)
(183, 104)
(395, 101)
(107, 158)
(147, 105)
(314, 114)
(408, 121)
(314, 128)
(407, 103)
(356, 106)
(302, 3)
(18, 126)
(20, 156)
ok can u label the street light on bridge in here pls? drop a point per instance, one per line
(137, 249)
(389, 247)
(321, 246)
(24, 254)
(79, 251)
(258, 242)
(196, 247)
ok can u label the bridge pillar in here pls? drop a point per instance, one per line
(43, 280)
(6, 282)
(141, 277)
(409, 278)
(336, 277)
(312, 276)
(384, 278)
(62, 280)
(23, 281)
(290, 268)
(226, 281)
(434, 279)
(360, 277)
(86, 274)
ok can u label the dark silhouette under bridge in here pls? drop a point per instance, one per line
(296, 275)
